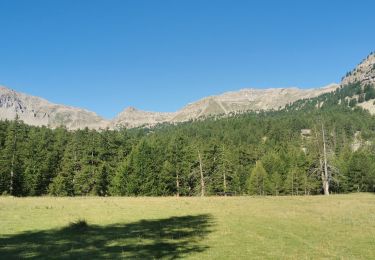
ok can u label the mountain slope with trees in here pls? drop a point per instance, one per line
(323, 144)
(210, 157)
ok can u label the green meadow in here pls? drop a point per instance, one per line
(298, 227)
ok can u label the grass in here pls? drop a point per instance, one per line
(338, 227)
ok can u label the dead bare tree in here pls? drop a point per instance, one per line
(325, 177)
(324, 170)
(177, 176)
(14, 150)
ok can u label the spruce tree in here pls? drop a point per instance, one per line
(258, 180)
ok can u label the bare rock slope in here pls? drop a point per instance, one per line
(228, 103)
(40, 112)
(250, 100)
(132, 117)
(363, 73)
(247, 100)
(37, 111)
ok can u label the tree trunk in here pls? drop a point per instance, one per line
(292, 183)
(11, 182)
(177, 185)
(12, 174)
(225, 183)
(12, 164)
(92, 158)
(325, 173)
(201, 172)
(224, 177)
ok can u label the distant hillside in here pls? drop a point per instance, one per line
(356, 89)
(228, 103)
(38, 112)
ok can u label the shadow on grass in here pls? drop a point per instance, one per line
(168, 238)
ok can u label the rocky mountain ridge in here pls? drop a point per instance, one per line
(227, 103)
(247, 100)
(363, 73)
(38, 111)
(132, 117)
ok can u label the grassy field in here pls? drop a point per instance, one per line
(338, 227)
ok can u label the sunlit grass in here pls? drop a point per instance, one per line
(339, 226)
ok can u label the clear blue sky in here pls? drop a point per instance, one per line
(161, 54)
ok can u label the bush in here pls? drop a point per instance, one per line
(353, 102)
(370, 92)
(361, 98)
(78, 225)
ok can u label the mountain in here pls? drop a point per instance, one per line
(364, 73)
(248, 100)
(224, 104)
(364, 76)
(40, 112)
(256, 99)
(37, 111)
(132, 117)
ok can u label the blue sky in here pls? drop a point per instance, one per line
(160, 55)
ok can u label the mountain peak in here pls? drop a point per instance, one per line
(37, 111)
(40, 112)
(130, 109)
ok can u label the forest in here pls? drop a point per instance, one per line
(292, 151)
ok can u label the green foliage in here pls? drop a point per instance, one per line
(169, 159)
(258, 180)
(361, 172)
(369, 92)
(353, 102)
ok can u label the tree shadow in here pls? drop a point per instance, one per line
(169, 238)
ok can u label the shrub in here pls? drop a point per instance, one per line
(78, 225)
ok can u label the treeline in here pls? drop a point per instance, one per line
(256, 153)
(349, 95)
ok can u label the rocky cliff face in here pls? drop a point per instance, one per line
(39, 112)
(363, 73)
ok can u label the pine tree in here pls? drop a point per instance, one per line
(64, 183)
(258, 180)
(178, 158)
(37, 161)
(121, 182)
(275, 184)
(168, 176)
(11, 163)
(101, 180)
(361, 172)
